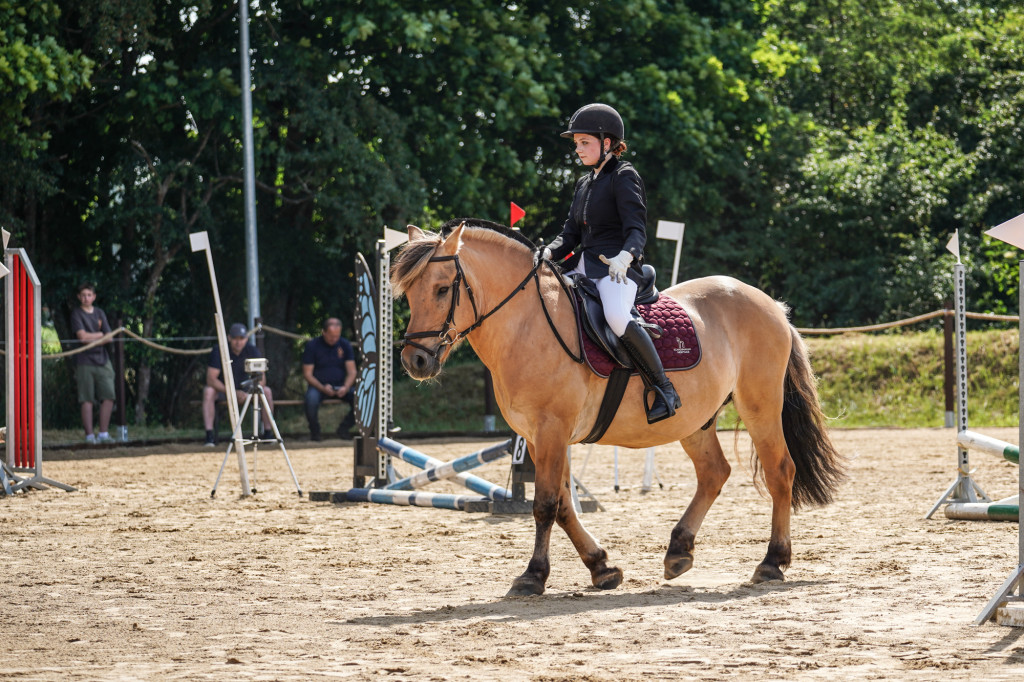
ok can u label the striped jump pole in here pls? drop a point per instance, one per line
(418, 459)
(969, 440)
(453, 468)
(412, 498)
(1003, 510)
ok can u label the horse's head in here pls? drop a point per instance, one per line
(429, 274)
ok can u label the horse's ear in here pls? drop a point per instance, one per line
(451, 245)
(415, 233)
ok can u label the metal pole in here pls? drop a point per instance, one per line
(1020, 434)
(252, 268)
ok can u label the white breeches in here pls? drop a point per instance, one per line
(616, 300)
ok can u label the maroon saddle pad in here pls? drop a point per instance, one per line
(678, 347)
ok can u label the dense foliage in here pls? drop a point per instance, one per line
(823, 150)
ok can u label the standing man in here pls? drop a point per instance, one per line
(93, 372)
(240, 350)
(329, 367)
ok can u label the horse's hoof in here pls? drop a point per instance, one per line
(766, 573)
(608, 579)
(525, 586)
(677, 565)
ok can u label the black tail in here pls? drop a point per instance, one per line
(819, 467)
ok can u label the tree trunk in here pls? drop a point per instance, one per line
(142, 390)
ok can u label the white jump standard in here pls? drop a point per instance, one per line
(965, 499)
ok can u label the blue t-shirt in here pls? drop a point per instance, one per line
(328, 361)
(237, 363)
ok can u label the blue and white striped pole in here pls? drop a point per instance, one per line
(451, 469)
(418, 459)
(411, 498)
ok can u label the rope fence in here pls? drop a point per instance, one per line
(106, 338)
(809, 331)
(991, 317)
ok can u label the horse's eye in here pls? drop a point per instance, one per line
(442, 291)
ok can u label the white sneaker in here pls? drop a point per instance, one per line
(104, 438)
(90, 439)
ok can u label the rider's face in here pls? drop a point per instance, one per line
(588, 148)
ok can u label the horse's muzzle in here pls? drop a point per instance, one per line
(419, 363)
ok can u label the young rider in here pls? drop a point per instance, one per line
(607, 224)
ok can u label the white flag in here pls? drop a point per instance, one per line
(953, 245)
(1011, 232)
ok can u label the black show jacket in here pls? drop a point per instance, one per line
(608, 215)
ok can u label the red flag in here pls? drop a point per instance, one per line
(516, 213)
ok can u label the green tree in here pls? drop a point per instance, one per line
(38, 73)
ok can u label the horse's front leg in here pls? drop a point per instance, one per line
(545, 506)
(553, 502)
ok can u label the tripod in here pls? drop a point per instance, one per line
(258, 400)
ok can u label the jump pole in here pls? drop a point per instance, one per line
(416, 498)
(1001, 510)
(452, 469)
(969, 440)
(1007, 607)
(418, 459)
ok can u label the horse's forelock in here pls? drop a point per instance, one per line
(411, 261)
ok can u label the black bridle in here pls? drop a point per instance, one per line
(449, 335)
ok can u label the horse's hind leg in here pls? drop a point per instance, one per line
(712, 471)
(779, 470)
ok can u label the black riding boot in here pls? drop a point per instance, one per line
(641, 349)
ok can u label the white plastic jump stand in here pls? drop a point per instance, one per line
(963, 489)
(650, 473)
(579, 484)
(615, 464)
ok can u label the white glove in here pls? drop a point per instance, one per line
(617, 266)
(546, 254)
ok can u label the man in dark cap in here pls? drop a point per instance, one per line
(240, 350)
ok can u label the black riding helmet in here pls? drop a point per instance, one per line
(599, 120)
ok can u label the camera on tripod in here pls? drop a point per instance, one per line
(254, 367)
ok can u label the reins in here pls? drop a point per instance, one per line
(449, 335)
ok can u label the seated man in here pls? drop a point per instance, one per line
(240, 350)
(329, 367)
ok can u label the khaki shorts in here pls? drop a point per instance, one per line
(95, 383)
